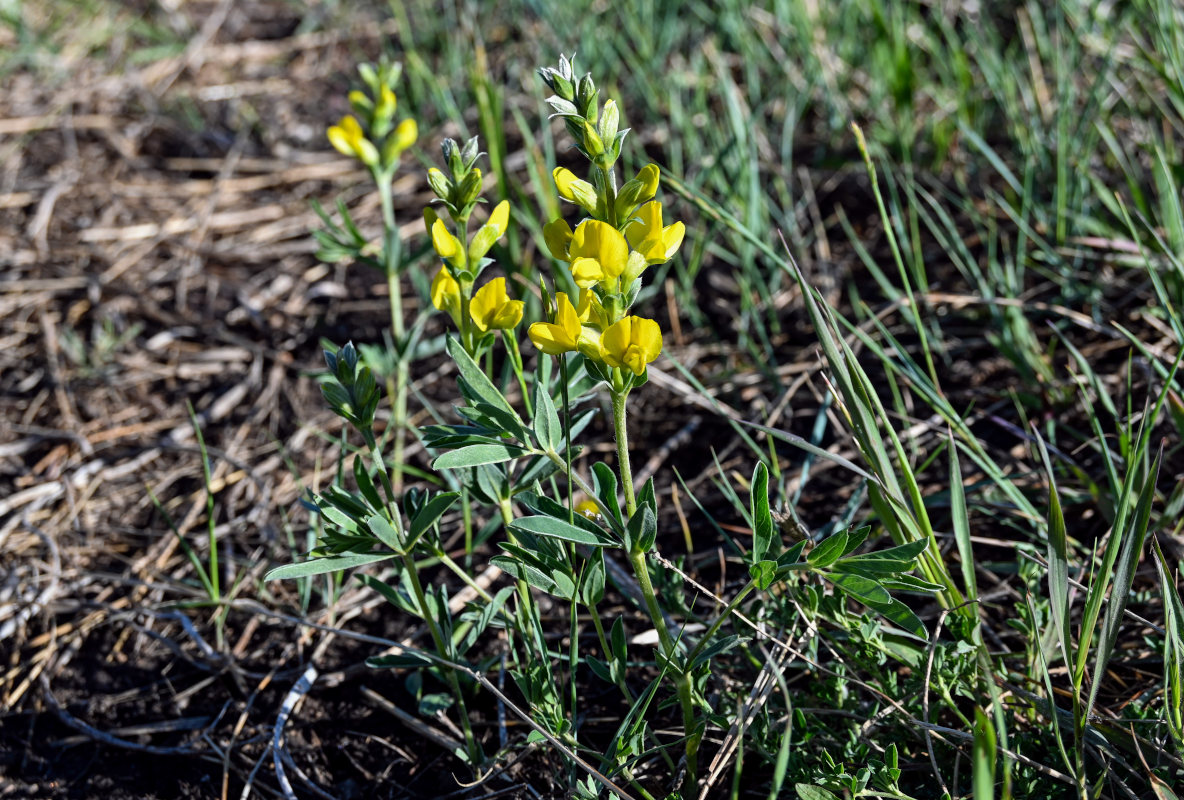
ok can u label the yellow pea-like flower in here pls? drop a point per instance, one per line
(598, 253)
(490, 232)
(647, 236)
(648, 176)
(406, 134)
(631, 343)
(572, 188)
(560, 336)
(446, 294)
(566, 333)
(558, 237)
(348, 139)
(447, 246)
(386, 102)
(492, 308)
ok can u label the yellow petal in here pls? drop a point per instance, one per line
(587, 272)
(486, 302)
(672, 236)
(646, 224)
(508, 316)
(445, 243)
(340, 141)
(351, 127)
(500, 218)
(406, 134)
(446, 294)
(632, 343)
(568, 319)
(647, 334)
(550, 339)
(557, 235)
(603, 242)
(648, 177)
(564, 178)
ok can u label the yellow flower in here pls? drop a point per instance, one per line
(490, 232)
(446, 294)
(648, 178)
(590, 311)
(406, 134)
(566, 333)
(647, 236)
(589, 509)
(493, 309)
(447, 246)
(349, 140)
(631, 343)
(572, 188)
(598, 253)
(557, 235)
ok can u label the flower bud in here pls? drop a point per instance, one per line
(439, 183)
(609, 121)
(593, 145)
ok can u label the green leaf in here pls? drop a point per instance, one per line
(560, 529)
(902, 552)
(855, 538)
(428, 515)
(983, 765)
(319, 566)
(565, 587)
(718, 647)
(860, 587)
(910, 583)
(762, 518)
(1058, 560)
(828, 551)
(763, 573)
(642, 529)
(387, 533)
(617, 640)
(1124, 576)
(897, 612)
(871, 566)
(547, 429)
(474, 383)
(599, 668)
(525, 572)
(807, 792)
(366, 483)
(592, 590)
(605, 481)
(477, 454)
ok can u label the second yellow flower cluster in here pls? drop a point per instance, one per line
(605, 261)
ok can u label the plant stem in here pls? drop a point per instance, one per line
(620, 429)
(682, 681)
(442, 649)
(511, 340)
(391, 247)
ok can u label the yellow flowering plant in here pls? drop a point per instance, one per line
(374, 136)
(565, 527)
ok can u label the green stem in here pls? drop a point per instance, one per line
(442, 648)
(527, 610)
(511, 340)
(391, 247)
(620, 429)
(463, 574)
(723, 617)
(682, 681)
